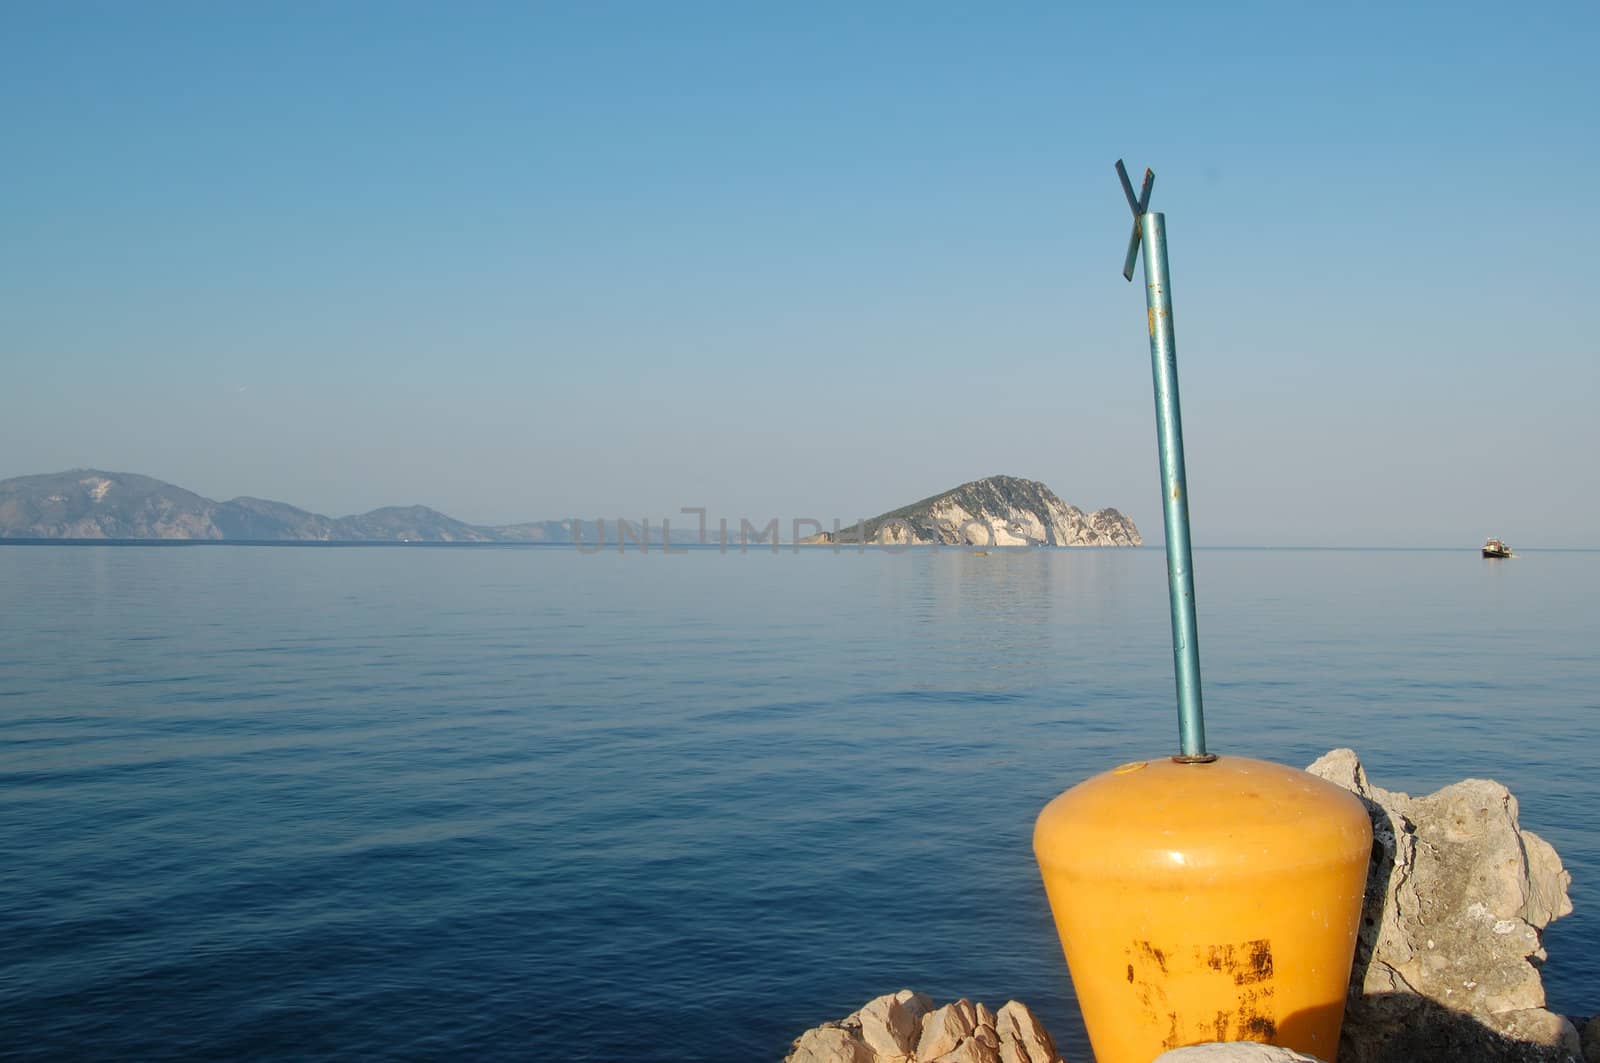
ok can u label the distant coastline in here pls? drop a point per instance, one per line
(94, 506)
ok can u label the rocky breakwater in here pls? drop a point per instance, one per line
(997, 511)
(1458, 896)
(905, 1027)
(1446, 965)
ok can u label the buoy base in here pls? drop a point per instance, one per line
(1206, 902)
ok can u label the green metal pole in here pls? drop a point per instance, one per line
(1174, 486)
(1149, 230)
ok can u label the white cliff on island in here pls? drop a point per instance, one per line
(996, 511)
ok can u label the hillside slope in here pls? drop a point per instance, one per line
(995, 511)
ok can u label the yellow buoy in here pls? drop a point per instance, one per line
(1206, 902)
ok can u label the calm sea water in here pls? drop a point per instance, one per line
(528, 803)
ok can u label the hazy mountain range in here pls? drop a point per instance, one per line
(94, 504)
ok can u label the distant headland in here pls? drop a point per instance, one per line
(92, 504)
(995, 511)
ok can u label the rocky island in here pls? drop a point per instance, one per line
(995, 511)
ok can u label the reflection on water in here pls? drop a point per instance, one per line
(413, 802)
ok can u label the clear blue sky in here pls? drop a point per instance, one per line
(541, 260)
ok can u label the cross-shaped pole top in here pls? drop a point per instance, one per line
(1138, 205)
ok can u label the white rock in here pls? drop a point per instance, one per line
(943, 1029)
(1457, 896)
(830, 1044)
(918, 1004)
(1022, 1037)
(959, 1032)
(1536, 1026)
(1234, 1052)
(1547, 898)
(889, 1028)
(971, 1050)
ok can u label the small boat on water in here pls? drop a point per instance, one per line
(1496, 548)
